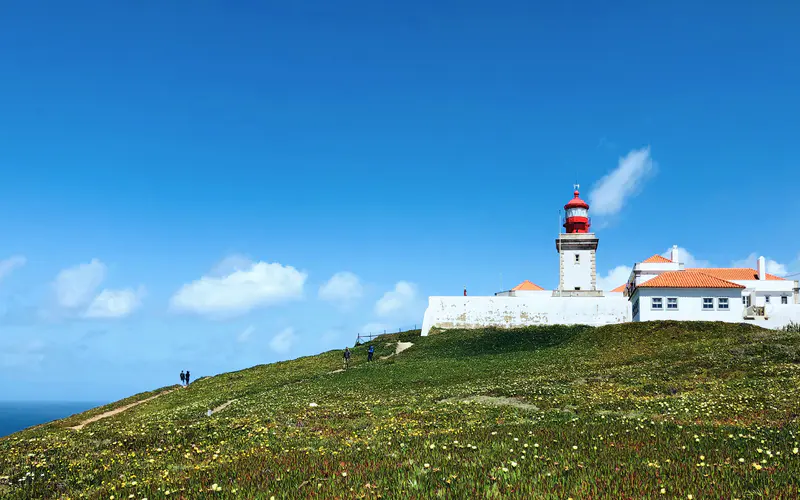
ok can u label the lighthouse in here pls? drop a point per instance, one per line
(577, 248)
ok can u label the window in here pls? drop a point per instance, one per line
(635, 308)
(744, 300)
(708, 303)
(657, 303)
(722, 303)
(766, 299)
(577, 288)
(672, 302)
(577, 258)
(784, 299)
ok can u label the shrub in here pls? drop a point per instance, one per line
(792, 327)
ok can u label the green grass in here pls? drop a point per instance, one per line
(624, 411)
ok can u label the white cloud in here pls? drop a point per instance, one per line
(282, 342)
(773, 266)
(115, 303)
(11, 263)
(396, 301)
(246, 334)
(343, 286)
(776, 268)
(246, 287)
(615, 277)
(75, 286)
(687, 259)
(610, 193)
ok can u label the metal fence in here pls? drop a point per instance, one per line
(367, 337)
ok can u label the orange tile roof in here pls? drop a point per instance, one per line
(527, 285)
(657, 259)
(620, 288)
(687, 279)
(733, 273)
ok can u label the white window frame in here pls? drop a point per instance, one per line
(727, 304)
(704, 303)
(676, 304)
(660, 303)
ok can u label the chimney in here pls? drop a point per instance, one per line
(762, 269)
(674, 254)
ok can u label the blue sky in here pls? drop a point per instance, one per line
(181, 183)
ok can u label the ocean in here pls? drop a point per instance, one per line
(18, 415)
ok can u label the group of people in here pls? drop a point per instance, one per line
(185, 377)
(370, 352)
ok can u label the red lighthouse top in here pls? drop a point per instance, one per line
(577, 214)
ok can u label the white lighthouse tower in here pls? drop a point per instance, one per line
(577, 247)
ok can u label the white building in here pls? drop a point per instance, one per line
(661, 288)
(687, 295)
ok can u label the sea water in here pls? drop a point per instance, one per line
(18, 415)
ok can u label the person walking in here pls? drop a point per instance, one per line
(187, 377)
(346, 358)
(370, 352)
(183, 378)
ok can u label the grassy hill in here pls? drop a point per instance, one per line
(650, 410)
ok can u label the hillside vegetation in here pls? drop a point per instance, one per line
(649, 410)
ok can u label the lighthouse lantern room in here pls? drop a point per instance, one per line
(577, 215)
(577, 249)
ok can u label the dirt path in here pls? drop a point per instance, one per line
(222, 406)
(493, 401)
(116, 411)
(402, 346)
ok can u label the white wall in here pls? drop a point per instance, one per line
(774, 288)
(779, 315)
(657, 267)
(645, 271)
(690, 304)
(511, 312)
(577, 274)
